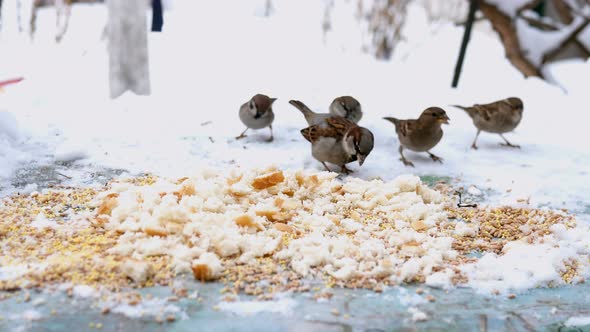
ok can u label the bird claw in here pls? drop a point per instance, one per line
(406, 162)
(436, 158)
(473, 146)
(510, 145)
(270, 139)
(241, 136)
(345, 170)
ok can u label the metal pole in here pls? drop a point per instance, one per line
(157, 18)
(470, 18)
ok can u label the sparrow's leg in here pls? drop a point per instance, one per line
(403, 159)
(434, 157)
(345, 170)
(474, 146)
(508, 143)
(326, 166)
(242, 134)
(271, 136)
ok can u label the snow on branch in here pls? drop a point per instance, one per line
(504, 26)
(531, 41)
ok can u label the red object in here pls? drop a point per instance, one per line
(10, 81)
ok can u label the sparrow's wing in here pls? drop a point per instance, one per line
(336, 128)
(485, 111)
(315, 132)
(310, 133)
(340, 125)
(405, 127)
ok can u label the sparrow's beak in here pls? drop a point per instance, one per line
(361, 159)
(445, 119)
(272, 100)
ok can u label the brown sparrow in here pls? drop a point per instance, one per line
(498, 117)
(336, 140)
(257, 114)
(347, 107)
(422, 134)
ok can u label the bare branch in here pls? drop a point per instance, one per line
(503, 25)
(572, 37)
(539, 24)
(564, 11)
(583, 48)
(529, 5)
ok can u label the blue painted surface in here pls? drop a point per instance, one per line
(455, 310)
(360, 310)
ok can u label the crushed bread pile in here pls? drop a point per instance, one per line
(265, 231)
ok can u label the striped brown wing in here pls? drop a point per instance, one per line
(405, 127)
(336, 128)
(340, 125)
(313, 133)
(310, 133)
(485, 111)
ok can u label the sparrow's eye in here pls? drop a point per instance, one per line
(433, 114)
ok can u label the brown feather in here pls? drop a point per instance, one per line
(337, 127)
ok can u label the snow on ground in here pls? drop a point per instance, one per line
(210, 60)
(578, 321)
(283, 306)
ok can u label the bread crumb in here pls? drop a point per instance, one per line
(137, 271)
(268, 180)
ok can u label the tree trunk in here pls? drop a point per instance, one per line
(63, 11)
(157, 17)
(128, 48)
(504, 27)
(465, 41)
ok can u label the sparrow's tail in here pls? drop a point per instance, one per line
(392, 120)
(307, 113)
(302, 107)
(465, 108)
(471, 111)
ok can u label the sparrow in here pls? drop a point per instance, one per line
(310, 116)
(257, 114)
(498, 117)
(335, 139)
(347, 107)
(421, 134)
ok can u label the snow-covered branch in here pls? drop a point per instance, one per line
(530, 40)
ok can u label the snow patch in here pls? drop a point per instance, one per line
(84, 291)
(417, 315)
(41, 222)
(246, 308)
(68, 153)
(152, 307)
(578, 321)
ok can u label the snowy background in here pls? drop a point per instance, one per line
(214, 55)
